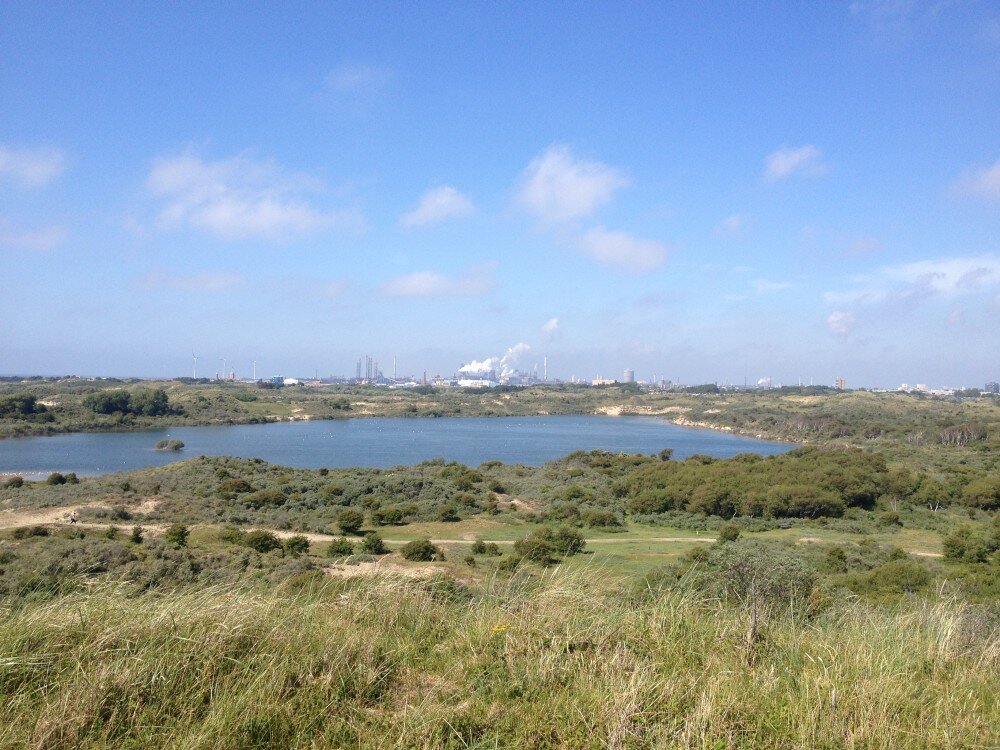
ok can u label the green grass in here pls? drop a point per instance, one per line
(553, 663)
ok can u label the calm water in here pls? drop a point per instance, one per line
(374, 443)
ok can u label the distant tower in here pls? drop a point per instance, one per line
(255, 370)
(545, 369)
(628, 376)
(194, 366)
(393, 366)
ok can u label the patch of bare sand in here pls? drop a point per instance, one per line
(389, 566)
(617, 410)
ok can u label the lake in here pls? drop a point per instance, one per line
(375, 442)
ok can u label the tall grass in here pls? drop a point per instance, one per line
(388, 663)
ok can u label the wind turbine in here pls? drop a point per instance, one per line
(194, 366)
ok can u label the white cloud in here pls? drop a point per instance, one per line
(949, 277)
(358, 79)
(239, 198)
(918, 281)
(437, 205)
(40, 240)
(865, 246)
(840, 323)
(558, 187)
(31, 167)
(206, 281)
(475, 282)
(551, 329)
(622, 250)
(785, 162)
(763, 285)
(984, 183)
(733, 226)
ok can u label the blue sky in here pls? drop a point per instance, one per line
(701, 192)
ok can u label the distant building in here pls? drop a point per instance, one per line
(992, 387)
(839, 384)
(602, 381)
(276, 380)
(628, 376)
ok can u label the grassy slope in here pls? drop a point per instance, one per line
(383, 663)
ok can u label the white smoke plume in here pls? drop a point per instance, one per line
(504, 366)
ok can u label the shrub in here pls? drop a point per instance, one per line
(170, 445)
(340, 548)
(493, 549)
(177, 534)
(478, 547)
(296, 545)
(232, 535)
(372, 544)
(537, 548)
(14, 482)
(55, 478)
(729, 532)
(447, 513)
(350, 521)
(24, 532)
(137, 535)
(72, 478)
(266, 498)
(234, 486)
(601, 519)
(262, 541)
(567, 541)
(890, 518)
(421, 550)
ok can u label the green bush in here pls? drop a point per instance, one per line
(14, 482)
(266, 498)
(340, 548)
(372, 544)
(350, 520)
(262, 541)
(729, 532)
(421, 550)
(177, 534)
(296, 545)
(55, 478)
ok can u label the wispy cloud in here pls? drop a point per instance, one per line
(558, 187)
(983, 182)
(358, 78)
(764, 285)
(840, 322)
(204, 282)
(39, 240)
(623, 250)
(785, 162)
(921, 280)
(437, 205)
(551, 329)
(733, 226)
(241, 198)
(31, 167)
(476, 281)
